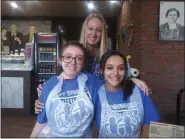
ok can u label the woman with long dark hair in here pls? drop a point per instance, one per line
(122, 109)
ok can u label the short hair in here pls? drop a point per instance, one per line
(173, 9)
(13, 25)
(31, 25)
(78, 45)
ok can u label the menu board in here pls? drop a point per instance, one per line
(165, 130)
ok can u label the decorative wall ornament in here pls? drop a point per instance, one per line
(132, 72)
(117, 41)
(127, 33)
(124, 32)
(131, 30)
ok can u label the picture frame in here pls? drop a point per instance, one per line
(171, 21)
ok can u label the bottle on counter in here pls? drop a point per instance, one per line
(40, 49)
(2, 53)
(16, 52)
(22, 58)
(22, 52)
(16, 56)
(11, 53)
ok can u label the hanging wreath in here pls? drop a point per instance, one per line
(128, 32)
(131, 32)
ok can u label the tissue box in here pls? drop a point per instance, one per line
(158, 130)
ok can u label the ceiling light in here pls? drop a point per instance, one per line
(90, 6)
(14, 5)
(112, 1)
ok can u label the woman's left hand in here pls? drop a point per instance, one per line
(142, 85)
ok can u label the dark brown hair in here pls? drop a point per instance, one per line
(127, 85)
(173, 9)
(78, 45)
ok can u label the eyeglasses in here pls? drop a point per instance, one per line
(69, 59)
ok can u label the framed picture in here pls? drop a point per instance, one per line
(16, 33)
(171, 21)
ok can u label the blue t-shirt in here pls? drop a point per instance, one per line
(116, 102)
(68, 88)
(93, 67)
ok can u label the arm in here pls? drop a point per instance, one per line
(39, 90)
(42, 117)
(150, 114)
(145, 131)
(36, 130)
(150, 111)
(17, 39)
(38, 105)
(142, 85)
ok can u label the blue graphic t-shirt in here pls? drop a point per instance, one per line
(93, 67)
(116, 117)
(69, 106)
(68, 89)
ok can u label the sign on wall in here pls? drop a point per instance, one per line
(171, 21)
(16, 33)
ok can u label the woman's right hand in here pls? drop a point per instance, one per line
(38, 106)
(39, 90)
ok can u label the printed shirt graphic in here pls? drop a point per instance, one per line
(118, 118)
(93, 67)
(68, 113)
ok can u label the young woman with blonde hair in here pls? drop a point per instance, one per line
(94, 37)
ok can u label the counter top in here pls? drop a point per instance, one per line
(16, 67)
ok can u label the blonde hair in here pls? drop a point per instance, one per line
(103, 41)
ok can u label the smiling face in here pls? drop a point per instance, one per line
(72, 67)
(114, 73)
(93, 31)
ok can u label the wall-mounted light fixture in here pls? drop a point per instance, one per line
(14, 5)
(90, 6)
(113, 1)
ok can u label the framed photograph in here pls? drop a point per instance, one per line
(171, 21)
(16, 33)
